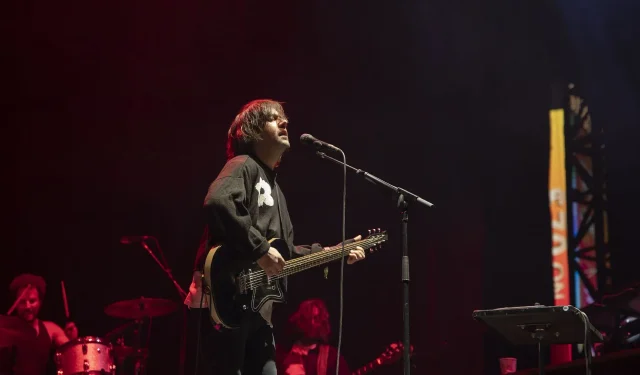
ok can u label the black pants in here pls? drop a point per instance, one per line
(248, 350)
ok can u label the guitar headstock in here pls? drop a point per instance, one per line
(393, 353)
(375, 238)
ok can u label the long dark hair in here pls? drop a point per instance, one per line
(302, 320)
(248, 124)
(25, 279)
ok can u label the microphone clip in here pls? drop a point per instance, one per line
(308, 139)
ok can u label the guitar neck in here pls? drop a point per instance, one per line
(369, 367)
(322, 257)
(391, 355)
(258, 277)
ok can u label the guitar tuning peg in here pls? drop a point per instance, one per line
(378, 230)
(369, 231)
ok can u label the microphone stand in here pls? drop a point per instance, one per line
(404, 197)
(141, 364)
(166, 269)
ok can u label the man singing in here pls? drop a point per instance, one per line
(244, 208)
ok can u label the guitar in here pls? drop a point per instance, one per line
(233, 290)
(389, 356)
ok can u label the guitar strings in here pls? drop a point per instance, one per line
(319, 254)
(258, 277)
(367, 241)
(335, 248)
(299, 264)
(295, 263)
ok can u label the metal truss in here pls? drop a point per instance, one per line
(589, 253)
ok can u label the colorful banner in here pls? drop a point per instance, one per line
(558, 210)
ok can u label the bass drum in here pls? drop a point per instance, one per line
(85, 355)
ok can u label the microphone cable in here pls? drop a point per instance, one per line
(344, 216)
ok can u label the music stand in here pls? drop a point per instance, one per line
(528, 325)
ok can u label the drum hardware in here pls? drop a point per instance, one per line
(145, 308)
(129, 359)
(118, 331)
(138, 311)
(85, 355)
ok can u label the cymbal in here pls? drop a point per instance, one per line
(141, 308)
(14, 331)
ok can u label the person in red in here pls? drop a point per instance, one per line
(30, 290)
(311, 353)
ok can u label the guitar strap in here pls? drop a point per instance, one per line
(323, 355)
(283, 230)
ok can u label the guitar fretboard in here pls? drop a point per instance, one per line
(258, 278)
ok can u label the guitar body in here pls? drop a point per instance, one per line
(229, 298)
(235, 288)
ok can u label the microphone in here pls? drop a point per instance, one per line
(127, 240)
(308, 139)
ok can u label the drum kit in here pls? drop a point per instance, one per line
(617, 317)
(89, 354)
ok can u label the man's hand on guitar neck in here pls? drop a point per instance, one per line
(356, 254)
(271, 262)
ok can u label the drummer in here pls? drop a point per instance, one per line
(49, 335)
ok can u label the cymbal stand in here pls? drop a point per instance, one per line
(164, 265)
(140, 364)
(119, 331)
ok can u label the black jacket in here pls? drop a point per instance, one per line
(244, 208)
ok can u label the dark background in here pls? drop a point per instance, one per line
(116, 117)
